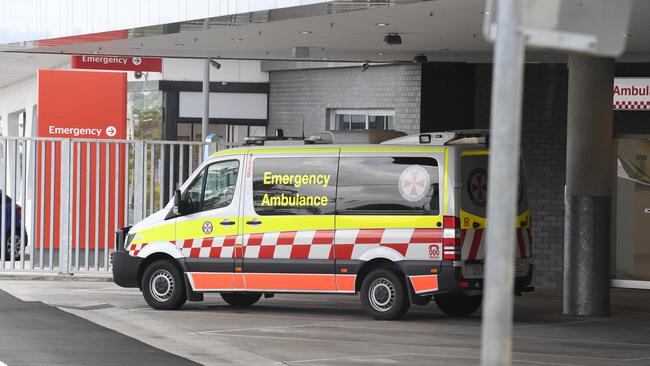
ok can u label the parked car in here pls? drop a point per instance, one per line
(6, 216)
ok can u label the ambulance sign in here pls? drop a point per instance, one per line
(632, 94)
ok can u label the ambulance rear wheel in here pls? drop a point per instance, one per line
(163, 287)
(458, 304)
(240, 299)
(383, 295)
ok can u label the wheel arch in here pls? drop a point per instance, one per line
(378, 262)
(155, 257)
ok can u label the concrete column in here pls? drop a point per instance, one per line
(587, 225)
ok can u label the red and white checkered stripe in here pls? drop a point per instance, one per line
(474, 243)
(413, 244)
(636, 104)
(134, 249)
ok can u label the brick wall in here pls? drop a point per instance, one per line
(308, 94)
(544, 149)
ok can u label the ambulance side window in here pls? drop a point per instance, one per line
(388, 186)
(220, 184)
(192, 197)
(294, 186)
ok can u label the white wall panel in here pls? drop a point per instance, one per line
(224, 105)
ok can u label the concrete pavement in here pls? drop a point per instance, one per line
(333, 330)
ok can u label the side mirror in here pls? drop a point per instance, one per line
(178, 203)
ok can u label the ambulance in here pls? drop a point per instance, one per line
(399, 222)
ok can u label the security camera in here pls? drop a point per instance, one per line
(138, 74)
(365, 67)
(393, 39)
(215, 64)
(420, 59)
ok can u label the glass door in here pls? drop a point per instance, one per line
(631, 260)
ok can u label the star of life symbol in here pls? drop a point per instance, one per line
(414, 183)
(136, 61)
(207, 227)
(477, 187)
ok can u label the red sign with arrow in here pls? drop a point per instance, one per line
(124, 63)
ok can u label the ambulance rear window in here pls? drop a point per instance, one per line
(474, 177)
(388, 186)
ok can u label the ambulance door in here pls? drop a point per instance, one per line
(207, 234)
(289, 220)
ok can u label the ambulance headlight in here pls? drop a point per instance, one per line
(129, 239)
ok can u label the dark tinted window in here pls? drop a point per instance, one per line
(294, 186)
(474, 178)
(388, 185)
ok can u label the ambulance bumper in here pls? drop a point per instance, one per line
(125, 269)
(450, 279)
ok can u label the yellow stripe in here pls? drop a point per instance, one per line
(236, 151)
(296, 150)
(289, 223)
(393, 149)
(164, 232)
(474, 152)
(467, 220)
(387, 222)
(445, 194)
(193, 229)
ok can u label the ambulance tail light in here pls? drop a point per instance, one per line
(451, 238)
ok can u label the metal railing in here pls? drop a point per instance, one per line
(63, 199)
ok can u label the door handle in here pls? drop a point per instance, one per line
(227, 222)
(253, 222)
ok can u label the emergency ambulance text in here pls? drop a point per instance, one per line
(297, 200)
(297, 179)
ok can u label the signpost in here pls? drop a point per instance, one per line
(596, 27)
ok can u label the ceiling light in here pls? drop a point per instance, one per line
(305, 32)
(236, 39)
(324, 58)
(380, 53)
(381, 24)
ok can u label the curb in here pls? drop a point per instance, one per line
(53, 276)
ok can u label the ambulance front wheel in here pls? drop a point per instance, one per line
(240, 299)
(458, 304)
(162, 286)
(383, 295)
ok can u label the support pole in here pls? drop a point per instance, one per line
(587, 225)
(205, 119)
(503, 182)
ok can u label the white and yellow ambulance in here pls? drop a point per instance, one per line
(399, 223)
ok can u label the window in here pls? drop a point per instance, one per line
(294, 186)
(214, 191)
(362, 119)
(192, 198)
(388, 186)
(220, 184)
